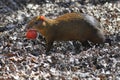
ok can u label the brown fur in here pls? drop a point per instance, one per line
(70, 26)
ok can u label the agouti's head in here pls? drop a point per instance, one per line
(38, 23)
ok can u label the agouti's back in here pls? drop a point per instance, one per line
(70, 26)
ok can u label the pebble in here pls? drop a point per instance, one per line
(29, 6)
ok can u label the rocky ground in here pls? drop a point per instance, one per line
(23, 59)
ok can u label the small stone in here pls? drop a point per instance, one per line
(29, 6)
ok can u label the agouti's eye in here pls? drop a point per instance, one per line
(36, 22)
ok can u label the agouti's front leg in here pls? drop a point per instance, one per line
(48, 46)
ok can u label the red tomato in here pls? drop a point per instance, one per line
(31, 34)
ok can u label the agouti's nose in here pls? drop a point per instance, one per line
(28, 27)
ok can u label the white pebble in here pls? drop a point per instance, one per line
(29, 6)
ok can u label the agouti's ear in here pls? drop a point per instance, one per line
(41, 18)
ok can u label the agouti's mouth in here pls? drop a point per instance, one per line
(32, 29)
(29, 28)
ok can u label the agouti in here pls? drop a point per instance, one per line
(70, 26)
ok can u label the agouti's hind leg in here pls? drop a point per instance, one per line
(86, 44)
(77, 47)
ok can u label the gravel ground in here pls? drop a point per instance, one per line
(23, 59)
